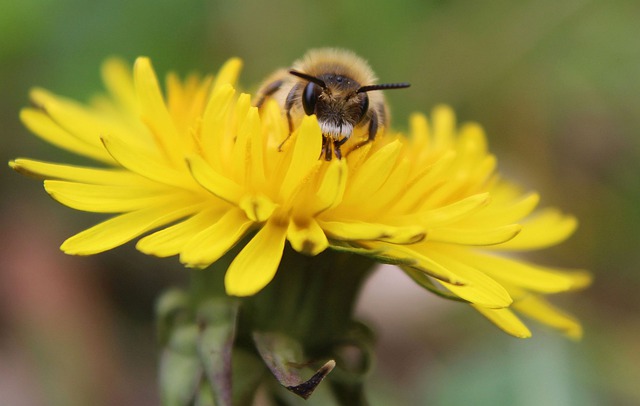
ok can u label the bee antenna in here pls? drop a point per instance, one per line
(310, 78)
(383, 86)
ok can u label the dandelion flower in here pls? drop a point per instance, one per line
(198, 170)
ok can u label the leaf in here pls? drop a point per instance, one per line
(284, 357)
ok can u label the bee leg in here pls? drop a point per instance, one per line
(337, 145)
(290, 131)
(269, 90)
(373, 126)
(373, 130)
(288, 105)
(327, 147)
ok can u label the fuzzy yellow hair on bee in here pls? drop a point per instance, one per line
(339, 88)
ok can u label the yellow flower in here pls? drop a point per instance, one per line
(199, 170)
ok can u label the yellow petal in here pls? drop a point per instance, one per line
(416, 260)
(506, 320)
(255, 155)
(214, 123)
(451, 213)
(256, 265)
(171, 240)
(213, 242)
(123, 228)
(478, 288)
(444, 126)
(258, 208)
(472, 142)
(523, 274)
(154, 111)
(80, 173)
(221, 186)
(149, 166)
(423, 183)
(507, 212)
(393, 190)
(419, 131)
(89, 125)
(68, 115)
(186, 100)
(375, 171)
(106, 198)
(306, 151)
(360, 231)
(276, 128)
(240, 149)
(545, 229)
(118, 79)
(228, 74)
(461, 182)
(539, 309)
(332, 187)
(479, 236)
(42, 125)
(308, 239)
(580, 279)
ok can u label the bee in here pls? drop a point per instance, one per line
(339, 88)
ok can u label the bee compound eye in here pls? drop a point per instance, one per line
(310, 97)
(364, 105)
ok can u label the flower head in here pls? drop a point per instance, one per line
(200, 169)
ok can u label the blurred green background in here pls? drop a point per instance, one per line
(555, 84)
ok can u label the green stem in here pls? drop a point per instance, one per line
(311, 298)
(209, 283)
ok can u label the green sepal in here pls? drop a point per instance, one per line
(205, 396)
(172, 309)
(322, 396)
(217, 325)
(354, 355)
(377, 255)
(248, 371)
(423, 280)
(180, 368)
(285, 359)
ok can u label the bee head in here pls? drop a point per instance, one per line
(339, 102)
